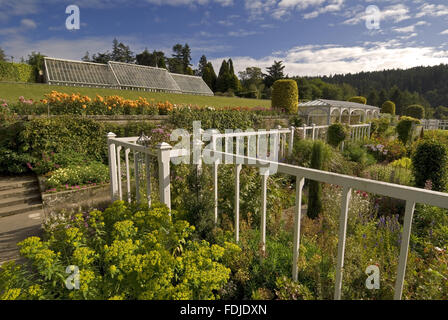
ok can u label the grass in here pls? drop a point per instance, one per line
(12, 91)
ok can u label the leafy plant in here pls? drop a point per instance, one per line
(336, 134)
(429, 163)
(404, 128)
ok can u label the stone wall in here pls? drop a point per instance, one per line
(75, 200)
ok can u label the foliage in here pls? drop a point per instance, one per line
(389, 173)
(296, 121)
(285, 95)
(415, 111)
(211, 118)
(388, 107)
(359, 154)
(358, 99)
(386, 150)
(315, 187)
(76, 175)
(337, 133)
(405, 127)
(16, 72)
(430, 163)
(125, 251)
(380, 126)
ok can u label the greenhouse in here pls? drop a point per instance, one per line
(76, 73)
(137, 76)
(326, 112)
(121, 76)
(191, 84)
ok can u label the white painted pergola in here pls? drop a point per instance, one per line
(326, 112)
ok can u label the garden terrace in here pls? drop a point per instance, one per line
(251, 154)
(323, 111)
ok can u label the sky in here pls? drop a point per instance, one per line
(311, 37)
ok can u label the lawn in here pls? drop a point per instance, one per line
(12, 91)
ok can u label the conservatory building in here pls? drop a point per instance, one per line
(327, 112)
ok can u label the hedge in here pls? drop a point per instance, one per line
(415, 111)
(44, 144)
(285, 95)
(388, 107)
(358, 99)
(18, 72)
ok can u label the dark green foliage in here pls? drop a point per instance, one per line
(275, 72)
(227, 81)
(315, 187)
(285, 96)
(404, 128)
(155, 59)
(198, 202)
(415, 111)
(430, 162)
(336, 134)
(358, 99)
(388, 107)
(360, 155)
(295, 121)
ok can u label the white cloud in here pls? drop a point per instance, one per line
(25, 26)
(432, 10)
(241, 33)
(331, 59)
(444, 32)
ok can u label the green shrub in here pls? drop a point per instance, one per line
(285, 95)
(360, 155)
(415, 111)
(296, 121)
(302, 152)
(404, 128)
(380, 126)
(210, 118)
(16, 72)
(315, 187)
(430, 164)
(63, 135)
(76, 175)
(124, 253)
(336, 134)
(358, 99)
(388, 107)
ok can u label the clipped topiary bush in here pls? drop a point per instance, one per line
(430, 165)
(415, 111)
(336, 134)
(285, 95)
(388, 107)
(404, 128)
(358, 99)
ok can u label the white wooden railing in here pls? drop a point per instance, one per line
(435, 124)
(248, 152)
(357, 131)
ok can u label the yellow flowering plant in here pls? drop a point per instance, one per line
(125, 252)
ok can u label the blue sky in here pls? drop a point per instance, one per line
(312, 37)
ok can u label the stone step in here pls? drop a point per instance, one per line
(17, 184)
(20, 192)
(16, 200)
(20, 208)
